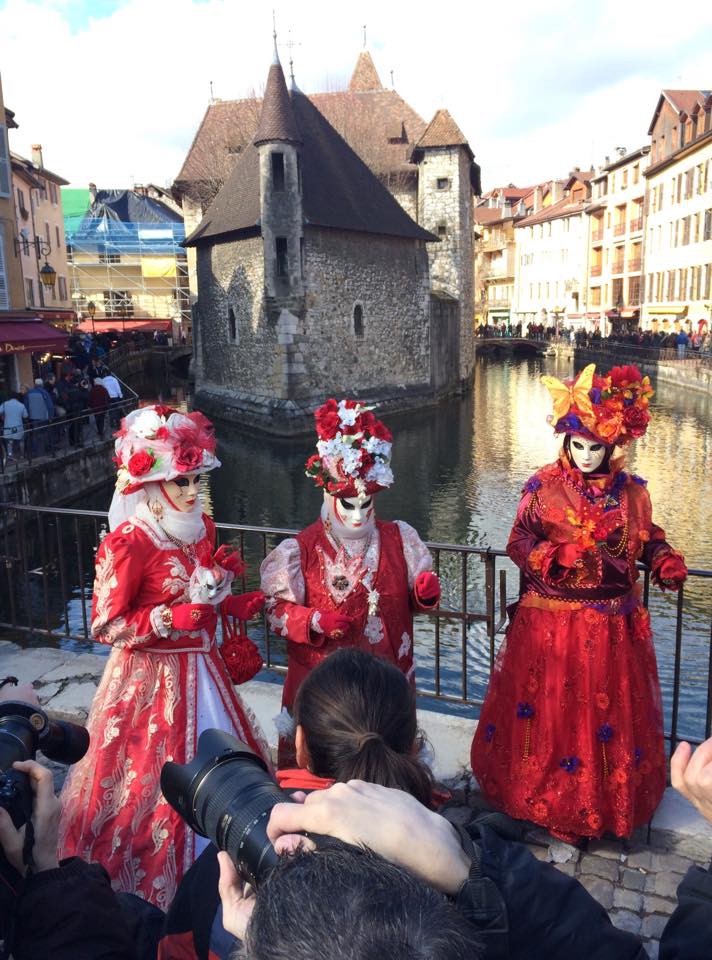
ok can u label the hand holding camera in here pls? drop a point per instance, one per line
(45, 822)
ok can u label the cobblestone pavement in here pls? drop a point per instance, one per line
(634, 881)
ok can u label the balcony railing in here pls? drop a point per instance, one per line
(597, 236)
(635, 225)
(596, 270)
(47, 569)
(618, 266)
(634, 264)
(619, 228)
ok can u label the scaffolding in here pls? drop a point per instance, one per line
(130, 271)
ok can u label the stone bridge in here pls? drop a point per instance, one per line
(495, 345)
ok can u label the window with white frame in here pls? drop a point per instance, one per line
(4, 294)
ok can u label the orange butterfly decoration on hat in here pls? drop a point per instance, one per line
(565, 397)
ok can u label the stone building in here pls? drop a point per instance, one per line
(313, 277)
(495, 252)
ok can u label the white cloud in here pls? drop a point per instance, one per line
(537, 90)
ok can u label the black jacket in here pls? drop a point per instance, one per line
(688, 934)
(70, 913)
(528, 909)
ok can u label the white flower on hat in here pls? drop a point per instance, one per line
(147, 424)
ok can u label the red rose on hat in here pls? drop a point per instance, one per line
(140, 463)
(327, 420)
(625, 375)
(381, 432)
(636, 420)
(188, 458)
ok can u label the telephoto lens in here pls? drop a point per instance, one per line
(226, 793)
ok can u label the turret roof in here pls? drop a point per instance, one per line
(442, 131)
(276, 120)
(365, 76)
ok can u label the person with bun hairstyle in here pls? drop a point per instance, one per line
(355, 720)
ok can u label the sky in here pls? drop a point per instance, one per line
(114, 90)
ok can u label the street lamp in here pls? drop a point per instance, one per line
(91, 310)
(48, 275)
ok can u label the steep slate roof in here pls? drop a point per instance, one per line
(276, 120)
(365, 76)
(338, 189)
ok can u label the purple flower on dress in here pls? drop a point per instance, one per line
(636, 479)
(638, 756)
(570, 764)
(525, 711)
(605, 733)
(489, 732)
(532, 484)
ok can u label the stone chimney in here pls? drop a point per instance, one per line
(37, 155)
(538, 199)
(557, 191)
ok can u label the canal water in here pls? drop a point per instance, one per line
(459, 469)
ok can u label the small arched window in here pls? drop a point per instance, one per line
(358, 321)
(232, 325)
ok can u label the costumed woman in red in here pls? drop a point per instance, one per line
(571, 731)
(158, 590)
(348, 579)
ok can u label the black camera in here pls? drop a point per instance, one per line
(226, 794)
(25, 729)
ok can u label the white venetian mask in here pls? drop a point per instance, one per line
(351, 518)
(588, 455)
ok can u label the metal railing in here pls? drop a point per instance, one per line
(47, 567)
(622, 350)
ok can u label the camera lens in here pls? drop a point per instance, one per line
(226, 793)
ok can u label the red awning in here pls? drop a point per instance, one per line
(105, 326)
(30, 335)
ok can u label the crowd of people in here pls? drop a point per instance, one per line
(570, 737)
(71, 402)
(685, 341)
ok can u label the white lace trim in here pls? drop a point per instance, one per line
(417, 556)
(281, 573)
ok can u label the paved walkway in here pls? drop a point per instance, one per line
(635, 882)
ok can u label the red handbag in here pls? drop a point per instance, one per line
(242, 658)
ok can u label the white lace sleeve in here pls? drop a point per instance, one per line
(281, 573)
(417, 556)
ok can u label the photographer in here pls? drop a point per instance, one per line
(64, 911)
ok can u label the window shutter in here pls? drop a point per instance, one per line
(4, 296)
(4, 164)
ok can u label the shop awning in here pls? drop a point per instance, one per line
(30, 335)
(678, 311)
(104, 326)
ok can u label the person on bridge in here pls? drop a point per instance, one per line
(348, 579)
(571, 731)
(158, 589)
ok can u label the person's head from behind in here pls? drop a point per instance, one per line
(348, 903)
(356, 720)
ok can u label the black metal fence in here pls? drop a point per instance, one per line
(46, 575)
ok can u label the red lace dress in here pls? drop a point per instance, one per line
(159, 691)
(571, 732)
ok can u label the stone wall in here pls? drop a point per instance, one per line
(231, 276)
(452, 259)
(52, 482)
(388, 279)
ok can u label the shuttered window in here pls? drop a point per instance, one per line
(4, 163)
(4, 295)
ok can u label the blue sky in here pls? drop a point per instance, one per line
(115, 89)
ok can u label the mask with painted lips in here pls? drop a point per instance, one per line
(587, 455)
(183, 491)
(351, 518)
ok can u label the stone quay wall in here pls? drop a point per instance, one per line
(51, 482)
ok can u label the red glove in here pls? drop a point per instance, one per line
(191, 617)
(244, 606)
(569, 555)
(427, 588)
(229, 559)
(330, 625)
(670, 572)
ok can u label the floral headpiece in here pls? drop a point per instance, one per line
(612, 409)
(158, 443)
(354, 450)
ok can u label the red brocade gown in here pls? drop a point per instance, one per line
(571, 732)
(159, 691)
